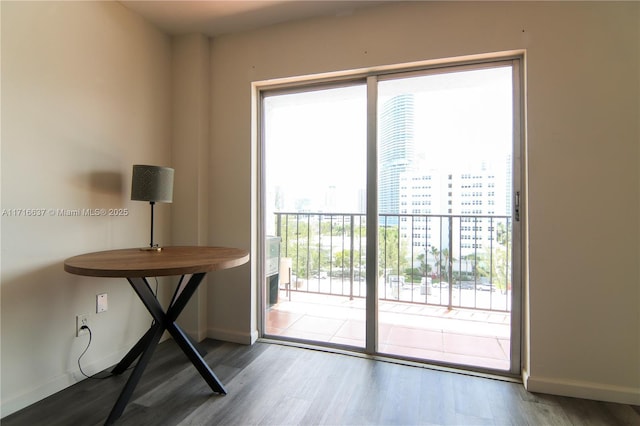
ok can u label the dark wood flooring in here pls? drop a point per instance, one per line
(272, 384)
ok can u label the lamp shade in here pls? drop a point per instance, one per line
(152, 183)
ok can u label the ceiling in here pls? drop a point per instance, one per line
(217, 17)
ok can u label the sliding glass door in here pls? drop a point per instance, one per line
(389, 212)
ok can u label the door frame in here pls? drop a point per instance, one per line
(516, 59)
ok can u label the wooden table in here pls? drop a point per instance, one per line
(136, 265)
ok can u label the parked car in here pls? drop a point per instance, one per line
(395, 280)
(485, 287)
(466, 285)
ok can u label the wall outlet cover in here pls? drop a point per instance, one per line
(101, 303)
(80, 321)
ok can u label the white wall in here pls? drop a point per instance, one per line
(85, 94)
(582, 68)
(190, 156)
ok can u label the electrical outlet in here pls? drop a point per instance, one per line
(80, 321)
(101, 303)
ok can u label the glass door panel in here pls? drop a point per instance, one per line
(445, 144)
(314, 144)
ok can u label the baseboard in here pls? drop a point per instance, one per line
(254, 336)
(581, 389)
(31, 396)
(56, 384)
(197, 335)
(232, 336)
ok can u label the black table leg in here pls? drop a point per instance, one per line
(131, 384)
(192, 353)
(183, 339)
(147, 344)
(179, 289)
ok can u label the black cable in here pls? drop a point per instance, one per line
(84, 352)
(155, 294)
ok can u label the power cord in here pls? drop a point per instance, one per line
(155, 294)
(86, 327)
(84, 352)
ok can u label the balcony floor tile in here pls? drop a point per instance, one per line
(460, 336)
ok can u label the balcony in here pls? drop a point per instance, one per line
(421, 332)
(444, 284)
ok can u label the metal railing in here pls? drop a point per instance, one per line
(443, 260)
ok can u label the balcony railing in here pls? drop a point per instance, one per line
(445, 260)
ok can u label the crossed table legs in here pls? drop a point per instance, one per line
(145, 346)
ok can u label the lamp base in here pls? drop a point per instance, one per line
(154, 248)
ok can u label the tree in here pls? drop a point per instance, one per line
(447, 259)
(441, 258)
(423, 266)
(343, 259)
(503, 234)
(294, 235)
(392, 254)
(481, 265)
(436, 259)
(501, 270)
(500, 263)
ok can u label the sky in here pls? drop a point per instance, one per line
(459, 117)
(317, 139)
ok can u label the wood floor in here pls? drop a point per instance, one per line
(271, 384)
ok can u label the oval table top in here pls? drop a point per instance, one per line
(173, 260)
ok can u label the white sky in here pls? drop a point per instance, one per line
(459, 117)
(317, 139)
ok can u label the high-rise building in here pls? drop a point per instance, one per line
(396, 149)
(470, 197)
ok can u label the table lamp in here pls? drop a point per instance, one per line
(153, 184)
